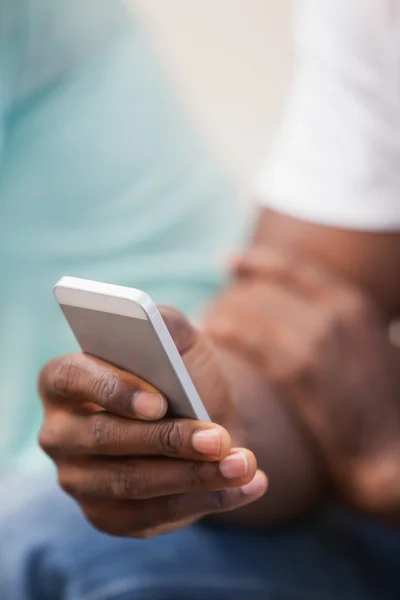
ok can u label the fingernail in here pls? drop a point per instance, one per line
(257, 487)
(148, 405)
(207, 441)
(234, 466)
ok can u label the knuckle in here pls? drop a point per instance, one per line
(219, 501)
(48, 441)
(67, 377)
(44, 441)
(105, 389)
(198, 474)
(170, 437)
(106, 433)
(71, 376)
(100, 431)
(126, 483)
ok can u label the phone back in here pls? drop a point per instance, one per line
(139, 344)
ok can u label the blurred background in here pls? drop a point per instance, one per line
(102, 175)
(231, 63)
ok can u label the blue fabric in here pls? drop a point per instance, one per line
(100, 177)
(49, 552)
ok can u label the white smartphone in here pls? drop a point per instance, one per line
(123, 326)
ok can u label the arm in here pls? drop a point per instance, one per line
(369, 260)
(332, 188)
(318, 335)
(352, 420)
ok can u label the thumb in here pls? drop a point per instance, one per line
(202, 362)
(182, 331)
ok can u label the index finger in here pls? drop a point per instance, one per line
(79, 380)
(101, 434)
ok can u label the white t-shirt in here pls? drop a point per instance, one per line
(337, 158)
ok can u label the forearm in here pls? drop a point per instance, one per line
(283, 450)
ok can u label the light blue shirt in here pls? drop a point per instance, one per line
(100, 177)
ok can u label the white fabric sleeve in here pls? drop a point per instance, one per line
(337, 158)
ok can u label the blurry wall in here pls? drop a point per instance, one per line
(231, 62)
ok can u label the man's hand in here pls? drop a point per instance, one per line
(326, 349)
(133, 471)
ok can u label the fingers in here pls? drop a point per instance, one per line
(132, 518)
(80, 379)
(268, 262)
(69, 434)
(133, 479)
(316, 284)
(266, 322)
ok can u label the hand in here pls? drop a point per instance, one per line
(133, 471)
(326, 348)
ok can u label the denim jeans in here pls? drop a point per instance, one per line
(49, 552)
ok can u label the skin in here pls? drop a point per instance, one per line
(281, 378)
(369, 262)
(133, 471)
(323, 343)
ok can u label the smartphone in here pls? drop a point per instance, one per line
(123, 326)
